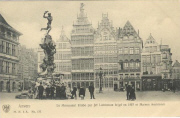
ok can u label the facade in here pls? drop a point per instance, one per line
(156, 65)
(9, 41)
(27, 67)
(105, 54)
(129, 57)
(82, 46)
(176, 74)
(63, 58)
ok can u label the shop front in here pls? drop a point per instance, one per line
(151, 82)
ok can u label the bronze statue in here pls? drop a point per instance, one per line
(49, 18)
(49, 48)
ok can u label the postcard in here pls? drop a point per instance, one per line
(89, 59)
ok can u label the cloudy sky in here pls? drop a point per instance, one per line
(160, 18)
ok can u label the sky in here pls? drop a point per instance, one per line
(160, 18)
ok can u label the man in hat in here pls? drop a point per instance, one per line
(47, 91)
(82, 93)
(91, 90)
(74, 92)
(128, 89)
(41, 90)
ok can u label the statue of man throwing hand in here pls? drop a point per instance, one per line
(49, 18)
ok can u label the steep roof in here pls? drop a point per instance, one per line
(3, 22)
(151, 40)
(176, 64)
(128, 29)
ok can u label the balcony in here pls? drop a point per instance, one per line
(129, 70)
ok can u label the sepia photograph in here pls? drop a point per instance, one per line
(89, 58)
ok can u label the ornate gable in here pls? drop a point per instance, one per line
(105, 30)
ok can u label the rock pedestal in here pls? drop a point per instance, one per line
(49, 48)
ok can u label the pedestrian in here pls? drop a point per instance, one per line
(128, 89)
(63, 91)
(91, 90)
(58, 91)
(132, 94)
(174, 88)
(52, 91)
(47, 91)
(81, 93)
(41, 90)
(74, 93)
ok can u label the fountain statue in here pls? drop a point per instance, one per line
(49, 48)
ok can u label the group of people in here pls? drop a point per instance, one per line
(130, 92)
(82, 92)
(40, 91)
(58, 91)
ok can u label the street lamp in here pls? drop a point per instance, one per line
(100, 76)
(9, 90)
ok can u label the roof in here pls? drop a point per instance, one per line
(151, 41)
(63, 37)
(128, 28)
(3, 21)
(176, 64)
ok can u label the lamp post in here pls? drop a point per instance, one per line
(100, 77)
(9, 89)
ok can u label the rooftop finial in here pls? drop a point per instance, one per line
(82, 5)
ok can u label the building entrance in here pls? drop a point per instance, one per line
(1, 86)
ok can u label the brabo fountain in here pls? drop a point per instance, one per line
(49, 48)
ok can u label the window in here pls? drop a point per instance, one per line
(137, 64)
(1, 66)
(125, 50)
(121, 76)
(136, 50)
(13, 50)
(164, 56)
(7, 67)
(126, 65)
(7, 48)
(131, 50)
(120, 51)
(13, 68)
(1, 46)
(131, 65)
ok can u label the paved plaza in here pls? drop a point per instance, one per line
(115, 96)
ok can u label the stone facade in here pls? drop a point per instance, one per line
(63, 58)
(105, 54)
(82, 46)
(156, 65)
(129, 56)
(9, 41)
(176, 74)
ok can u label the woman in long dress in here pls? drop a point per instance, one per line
(132, 94)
